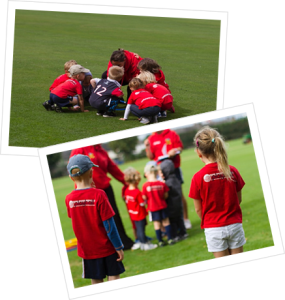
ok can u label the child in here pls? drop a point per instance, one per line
(148, 64)
(62, 95)
(107, 92)
(216, 190)
(98, 242)
(136, 207)
(174, 200)
(155, 192)
(141, 103)
(158, 91)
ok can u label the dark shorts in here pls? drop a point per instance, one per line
(178, 174)
(99, 268)
(159, 215)
(60, 101)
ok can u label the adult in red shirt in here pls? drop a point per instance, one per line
(100, 157)
(167, 143)
(127, 60)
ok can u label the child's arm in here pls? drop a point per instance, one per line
(198, 207)
(81, 103)
(93, 82)
(113, 235)
(239, 197)
(127, 112)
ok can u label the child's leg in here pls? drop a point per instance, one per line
(115, 277)
(140, 225)
(167, 226)
(157, 226)
(95, 281)
(221, 253)
(236, 251)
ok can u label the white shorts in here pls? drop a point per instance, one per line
(226, 237)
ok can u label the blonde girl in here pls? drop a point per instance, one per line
(216, 191)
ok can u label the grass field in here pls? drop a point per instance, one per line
(255, 219)
(187, 50)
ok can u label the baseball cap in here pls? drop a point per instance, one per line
(76, 69)
(150, 167)
(80, 161)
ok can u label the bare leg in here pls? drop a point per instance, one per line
(236, 251)
(221, 253)
(95, 281)
(165, 222)
(110, 278)
(156, 225)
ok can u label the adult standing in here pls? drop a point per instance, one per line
(167, 143)
(127, 60)
(100, 157)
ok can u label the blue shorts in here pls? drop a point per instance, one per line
(99, 268)
(60, 101)
(159, 215)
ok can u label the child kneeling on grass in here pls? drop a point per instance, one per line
(136, 207)
(142, 103)
(107, 93)
(98, 241)
(62, 95)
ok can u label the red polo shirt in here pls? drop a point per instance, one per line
(143, 99)
(60, 79)
(70, 87)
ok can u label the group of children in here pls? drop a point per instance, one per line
(150, 98)
(215, 190)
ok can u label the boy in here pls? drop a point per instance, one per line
(174, 200)
(62, 95)
(98, 241)
(142, 103)
(155, 192)
(107, 92)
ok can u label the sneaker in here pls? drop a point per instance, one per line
(172, 109)
(170, 242)
(184, 236)
(136, 246)
(154, 119)
(145, 120)
(57, 108)
(47, 106)
(161, 244)
(159, 115)
(100, 113)
(163, 114)
(147, 247)
(177, 239)
(187, 224)
(109, 114)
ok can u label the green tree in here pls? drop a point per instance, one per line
(124, 148)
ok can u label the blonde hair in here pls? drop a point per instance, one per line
(116, 73)
(81, 177)
(136, 84)
(68, 64)
(211, 144)
(146, 77)
(131, 175)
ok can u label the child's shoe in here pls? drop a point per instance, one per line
(187, 224)
(57, 108)
(163, 114)
(100, 113)
(109, 114)
(161, 244)
(147, 246)
(47, 106)
(170, 242)
(136, 246)
(145, 120)
(159, 115)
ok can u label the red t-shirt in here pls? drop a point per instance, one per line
(60, 79)
(143, 99)
(160, 92)
(160, 79)
(161, 143)
(154, 192)
(88, 208)
(135, 204)
(100, 157)
(130, 68)
(70, 87)
(220, 204)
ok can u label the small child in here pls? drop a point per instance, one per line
(136, 207)
(107, 92)
(155, 192)
(166, 171)
(98, 242)
(62, 95)
(148, 64)
(158, 91)
(216, 191)
(142, 103)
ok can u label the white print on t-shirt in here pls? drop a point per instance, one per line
(156, 143)
(79, 203)
(129, 198)
(215, 176)
(154, 188)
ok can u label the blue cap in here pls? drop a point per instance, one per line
(80, 161)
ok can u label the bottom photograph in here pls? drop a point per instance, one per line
(158, 200)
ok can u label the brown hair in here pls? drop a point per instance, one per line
(69, 63)
(81, 177)
(146, 77)
(211, 144)
(131, 175)
(136, 83)
(116, 73)
(148, 64)
(118, 55)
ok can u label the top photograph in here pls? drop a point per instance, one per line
(79, 75)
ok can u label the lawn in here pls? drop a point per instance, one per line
(255, 219)
(187, 50)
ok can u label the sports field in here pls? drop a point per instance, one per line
(255, 219)
(186, 49)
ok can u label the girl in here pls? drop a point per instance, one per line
(216, 191)
(136, 206)
(148, 64)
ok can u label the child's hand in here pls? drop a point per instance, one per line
(122, 119)
(121, 255)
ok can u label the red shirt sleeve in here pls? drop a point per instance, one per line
(194, 192)
(117, 92)
(239, 180)
(104, 206)
(176, 141)
(139, 197)
(144, 189)
(78, 88)
(114, 170)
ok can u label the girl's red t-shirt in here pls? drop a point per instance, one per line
(135, 204)
(143, 99)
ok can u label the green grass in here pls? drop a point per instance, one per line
(187, 50)
(255, 220)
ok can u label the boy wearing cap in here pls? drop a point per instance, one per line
(62, 95)
(155, 192)
(98, 242)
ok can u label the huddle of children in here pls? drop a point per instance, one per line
(215, 190)
(150, 97)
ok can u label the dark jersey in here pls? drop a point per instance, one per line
(105, 91)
